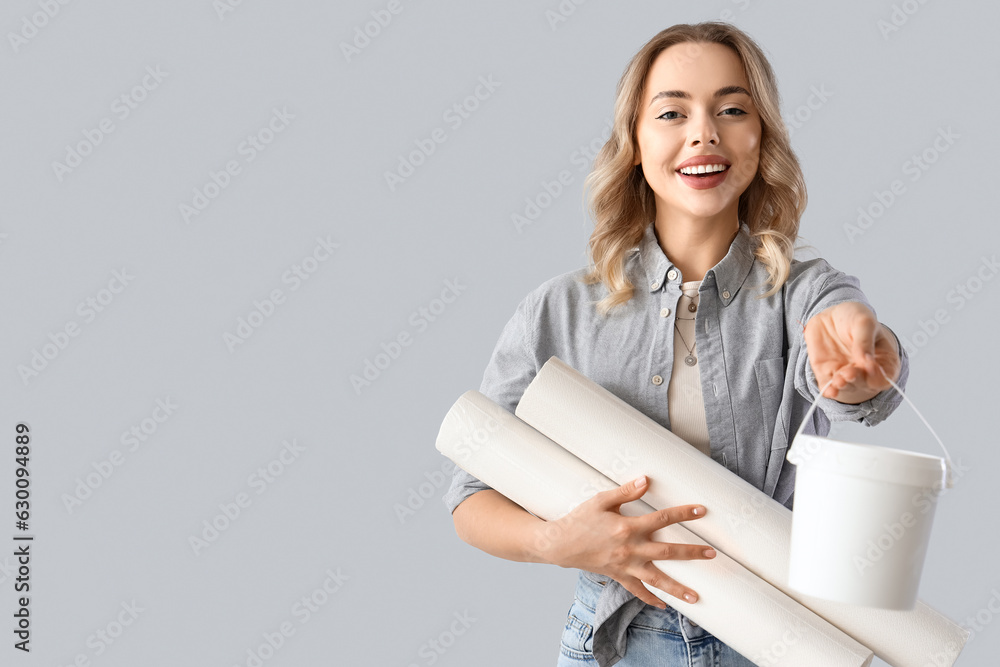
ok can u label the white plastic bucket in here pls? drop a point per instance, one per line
(862, 519)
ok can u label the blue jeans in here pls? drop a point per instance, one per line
(656, 637)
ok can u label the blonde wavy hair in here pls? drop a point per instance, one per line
(622, 204)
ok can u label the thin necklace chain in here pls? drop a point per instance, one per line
(688, 319)
(689, 349)
(690, 359)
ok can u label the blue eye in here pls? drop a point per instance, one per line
(739, 112)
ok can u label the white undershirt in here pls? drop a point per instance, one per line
(685, 404)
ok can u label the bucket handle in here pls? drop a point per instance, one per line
(948, 479)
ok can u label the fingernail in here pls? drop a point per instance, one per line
(710, 553)
(640, 481)
(696, 511)
(690, 598)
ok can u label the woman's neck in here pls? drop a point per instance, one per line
(695, 248)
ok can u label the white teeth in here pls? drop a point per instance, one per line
(703, 169)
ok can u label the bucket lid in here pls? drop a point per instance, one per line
(883, 464)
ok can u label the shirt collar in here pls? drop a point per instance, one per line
(729, 274)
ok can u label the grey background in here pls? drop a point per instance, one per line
(367, 453)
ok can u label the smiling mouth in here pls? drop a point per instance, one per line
(703, 171)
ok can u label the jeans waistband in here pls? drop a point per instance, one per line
(591, 586)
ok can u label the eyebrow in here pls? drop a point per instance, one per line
(725, 90)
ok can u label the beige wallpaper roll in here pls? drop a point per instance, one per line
(746, 524)
(489, 442)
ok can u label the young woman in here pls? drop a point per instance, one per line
(695, 312)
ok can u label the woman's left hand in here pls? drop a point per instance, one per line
(847, 341)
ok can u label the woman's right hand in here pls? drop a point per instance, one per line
(595, 537)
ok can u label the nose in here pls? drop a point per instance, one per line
(703, 131)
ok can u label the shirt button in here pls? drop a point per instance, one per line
(654, 285)
(657, 380)
(725, 294)
(671, 275)
(665, 312)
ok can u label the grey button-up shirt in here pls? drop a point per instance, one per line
(757, 383)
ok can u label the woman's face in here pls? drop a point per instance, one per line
(696, 102)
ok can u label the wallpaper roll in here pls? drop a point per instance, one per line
(489, 442)
(623, 443)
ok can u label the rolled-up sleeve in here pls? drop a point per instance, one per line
(512, 366)
(831, 288)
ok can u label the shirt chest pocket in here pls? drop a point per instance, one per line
(770, 384)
